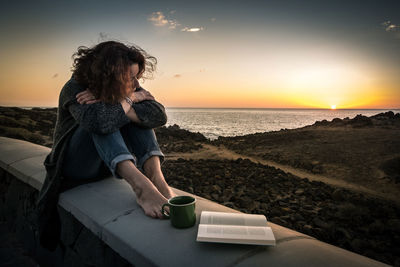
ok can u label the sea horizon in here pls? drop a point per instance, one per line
(236, 108)
(215, 122)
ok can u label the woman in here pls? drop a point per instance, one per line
(104, 126)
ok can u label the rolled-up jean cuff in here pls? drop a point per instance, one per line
(118, 159)
(146, 156)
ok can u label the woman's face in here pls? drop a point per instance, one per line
(133, 72)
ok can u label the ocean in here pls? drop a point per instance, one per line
(214, 122)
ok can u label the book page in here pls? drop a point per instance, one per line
(226, 218)
(236, 234)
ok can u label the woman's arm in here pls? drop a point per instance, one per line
(145, 111)
(151, 114)
(130, 112)
(97, 117)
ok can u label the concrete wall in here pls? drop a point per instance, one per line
(102, 225)
(79, 246)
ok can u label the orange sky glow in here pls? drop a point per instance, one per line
(209, 59)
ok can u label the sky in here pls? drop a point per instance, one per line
(239, 54)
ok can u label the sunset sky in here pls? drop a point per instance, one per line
(255, 54)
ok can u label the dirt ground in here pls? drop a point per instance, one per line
(364, 158)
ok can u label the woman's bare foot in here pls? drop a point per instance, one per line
(147, 195)
(151, 201)
(152, 170)
(163, 187)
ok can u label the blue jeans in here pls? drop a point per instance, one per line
(91, 155)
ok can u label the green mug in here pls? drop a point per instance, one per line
(181, 211)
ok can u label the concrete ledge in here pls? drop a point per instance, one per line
(109, 210)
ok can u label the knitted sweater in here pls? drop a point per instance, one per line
(101, 118)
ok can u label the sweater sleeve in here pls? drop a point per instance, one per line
(100, 118)
(151, 113)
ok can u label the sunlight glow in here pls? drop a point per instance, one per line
(333, 106)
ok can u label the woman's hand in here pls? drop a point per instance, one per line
(86, 97)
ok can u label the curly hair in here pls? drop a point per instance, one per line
(103, 69)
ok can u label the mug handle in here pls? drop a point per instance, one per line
(165, 215)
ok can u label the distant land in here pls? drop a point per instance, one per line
(283, 108)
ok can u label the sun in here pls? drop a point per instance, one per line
(333, 106)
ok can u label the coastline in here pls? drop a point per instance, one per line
(241, 108)
(233, 171)
(238, 122)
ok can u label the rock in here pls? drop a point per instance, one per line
(358, 244)
(337, 195)
(279, 221)
(317, 169)
(300, 224)
(285, 210)
(229, 204)
(253, 206)
(283, 204)
(216, 188)
(361, 121)
(377, 227)
(336, 120)
(393, 225)
(314, 162)
(344, 232)
(275, 211)
(226, 197)
(207, 196)
(321, 123)
(215, 196)
(299, 191)
(264, 206)
(245, 201)
(391, 167)
(308, 229)
(320, 223)
(298, 217)
(308, 207)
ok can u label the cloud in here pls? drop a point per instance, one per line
(177, 76)
(55, 76)
(159, 19)
(390, 27)
(173, 24)
(186, 29)
(213, 19)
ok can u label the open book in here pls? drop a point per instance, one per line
(225, 227)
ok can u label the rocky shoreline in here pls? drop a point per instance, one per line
(353, 221)
(357, 222)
